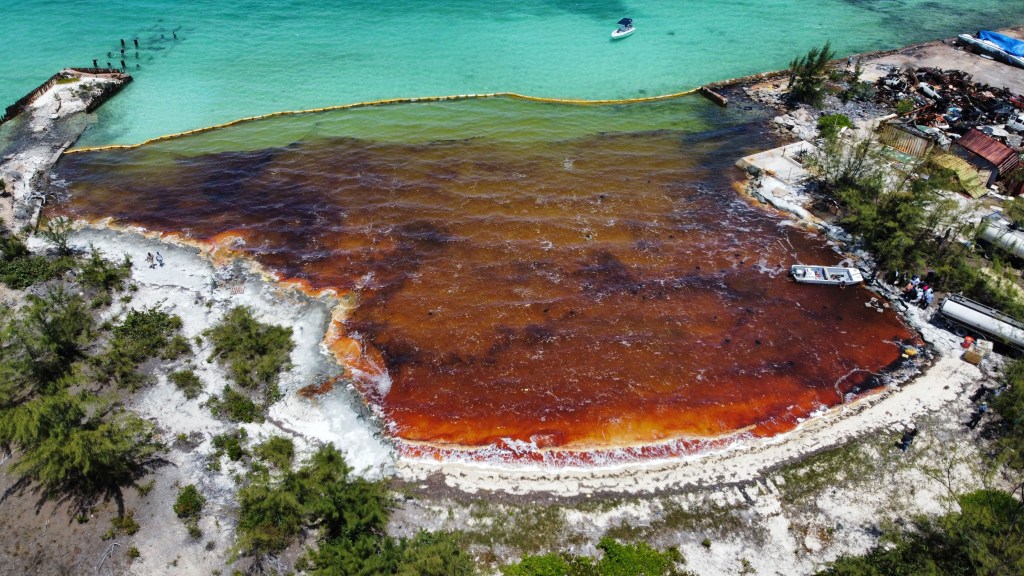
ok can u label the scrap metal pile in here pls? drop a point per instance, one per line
(947, 104)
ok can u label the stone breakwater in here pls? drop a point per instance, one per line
(39, 128)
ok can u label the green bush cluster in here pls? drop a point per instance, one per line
(895, 211)
(19, 269)
(350, 515)
(102, 274)
(829, 125)
(231, 444)
(140, 336)
(235, 406)
(618, 560)
(986, 535)
(189, 503)
(808, 74)
(255, 355)
(983, 538)
(187, 381)
(278, 451)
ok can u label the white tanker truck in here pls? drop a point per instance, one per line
(971, 316)
(997, 232)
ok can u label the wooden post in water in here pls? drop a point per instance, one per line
(714, 96)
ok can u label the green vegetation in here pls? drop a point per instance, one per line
(527, 528)
(808, 74)
(187, 381)
(139, 337)
(896, 211)
(808, 477)
(232, 444)
(254, 353)
(126, 524)
(100, 273)
(904, 106)
(278, 451)
(829, 125)
(57, 231)
(1009, 428)
(189, 503)
(984, 537)
(19, 269)
(713, 518)
(73, 441)
(618, 560)
(236, 406)
(349, 514)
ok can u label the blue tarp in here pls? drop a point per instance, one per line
(1011, 45)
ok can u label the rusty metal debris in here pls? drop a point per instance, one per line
(947, 104)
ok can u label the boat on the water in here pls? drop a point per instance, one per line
(832, 275)
(625, 29)
(998, 46)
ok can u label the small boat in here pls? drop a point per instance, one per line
(832, 275)
(625, 29)
(996, 46)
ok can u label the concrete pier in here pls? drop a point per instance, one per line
(38, 128)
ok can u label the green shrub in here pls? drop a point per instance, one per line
(231, 444)
(20, 273)
(65, 449)
(189, 503)
(57, 231)
(140, 336)
(100, 273)
(237, 407)
(126, 524)
(277, 450)
(187, 382)
(42, 341)
(133, 552)
(254, 353)
(176, 348)
(808, 74)
(983, 538)
(904, 106)
(618, 560)
(829, 125)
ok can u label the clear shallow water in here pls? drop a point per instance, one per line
(244, 58)
(525, 284)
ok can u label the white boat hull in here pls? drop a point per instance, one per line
(990, 49)
(617, 34)
(829, 275)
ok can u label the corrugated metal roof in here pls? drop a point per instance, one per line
(967, 174)
(990, 149)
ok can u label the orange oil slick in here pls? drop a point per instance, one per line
(601, 298)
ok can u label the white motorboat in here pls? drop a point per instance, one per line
(985, 45)
(831, 275)
(625, 29)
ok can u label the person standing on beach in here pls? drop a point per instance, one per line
(149, 259)
(160, 259)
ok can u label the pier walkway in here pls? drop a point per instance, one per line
(37, 129)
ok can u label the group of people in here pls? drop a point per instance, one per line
(917, 292)
(153, 261)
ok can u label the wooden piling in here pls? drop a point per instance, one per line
(714, 96)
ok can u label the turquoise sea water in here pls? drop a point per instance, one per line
(243, 58)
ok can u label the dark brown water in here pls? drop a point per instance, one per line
(602, 296)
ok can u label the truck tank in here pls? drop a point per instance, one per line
(980, 318)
